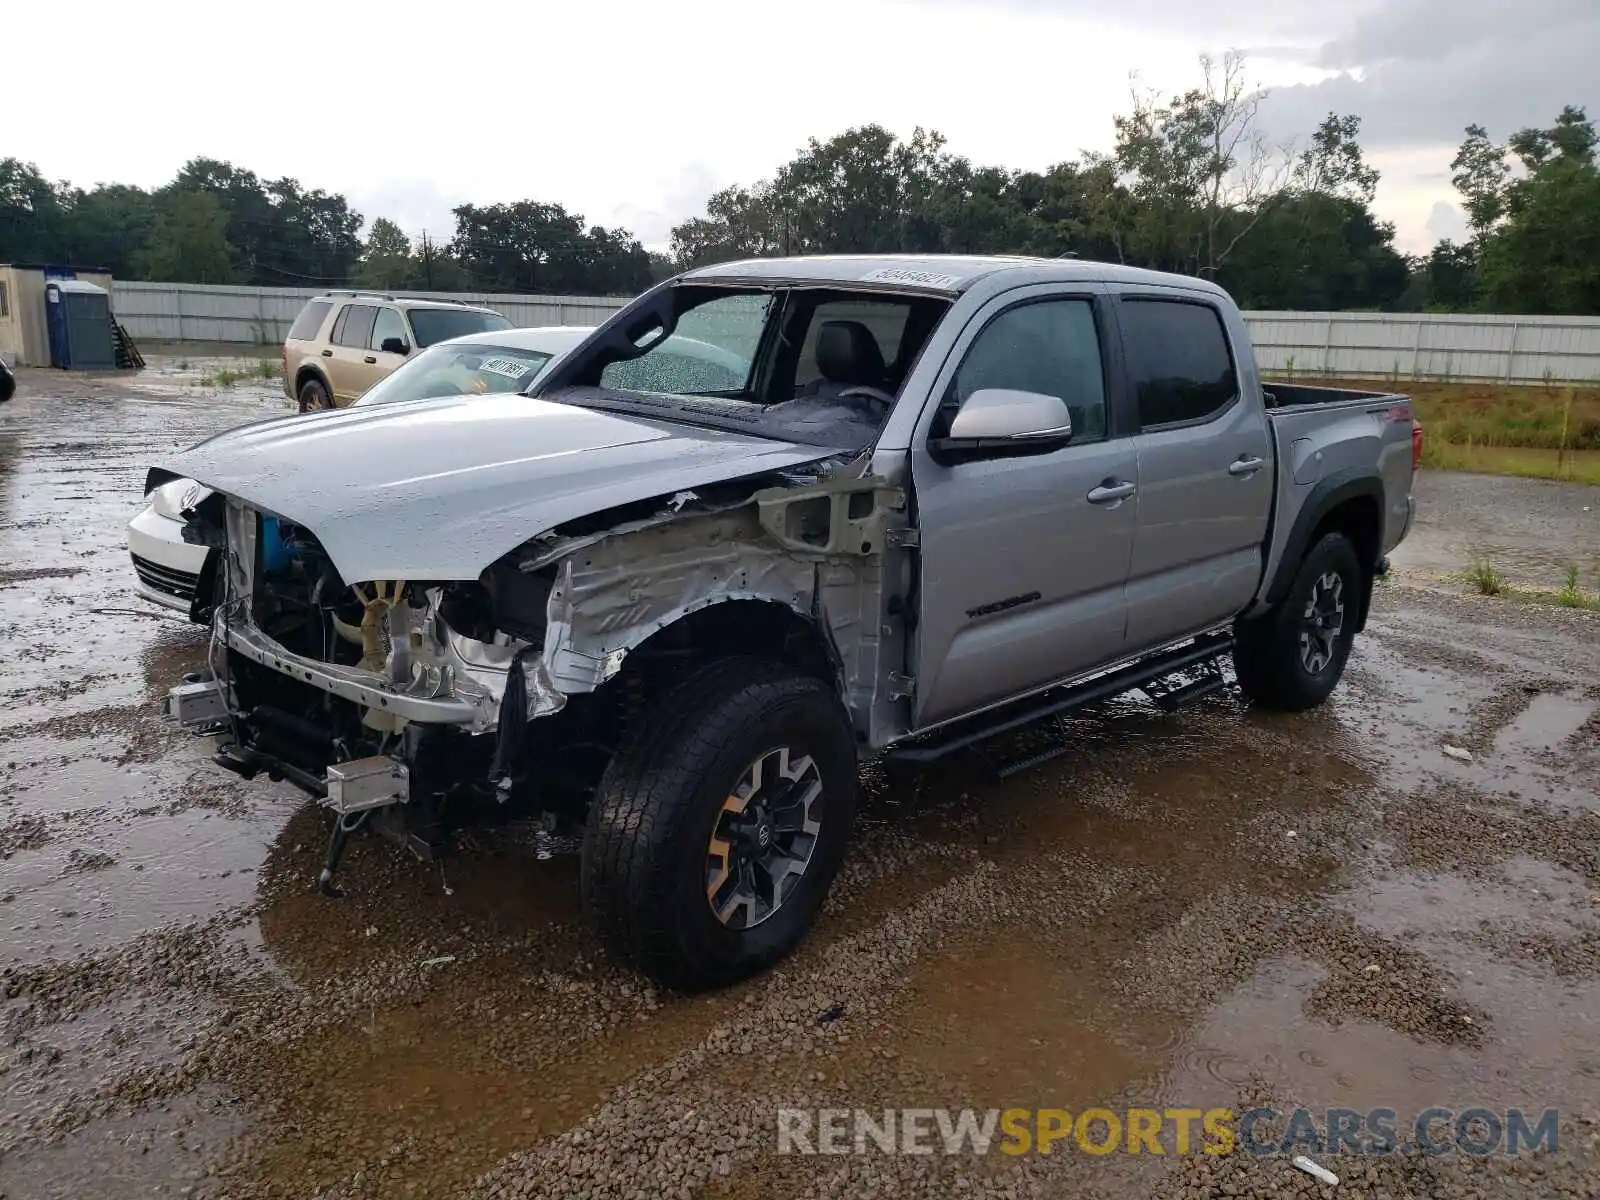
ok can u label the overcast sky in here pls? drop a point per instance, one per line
(633, 113)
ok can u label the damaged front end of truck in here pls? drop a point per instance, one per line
(418, 706)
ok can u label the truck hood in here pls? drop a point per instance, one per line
(439, 489)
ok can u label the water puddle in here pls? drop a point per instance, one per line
(1550, 719)
(1531, 894)
(164, 1151)
(1361, 1064)
(1007, 1024)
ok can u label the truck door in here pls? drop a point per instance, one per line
(1023, 558)
(1205, 468)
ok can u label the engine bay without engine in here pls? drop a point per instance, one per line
(393, 628)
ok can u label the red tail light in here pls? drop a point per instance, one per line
(1416, 446)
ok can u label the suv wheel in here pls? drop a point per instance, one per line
(1293, 657)
(314, 396)
(720, 824)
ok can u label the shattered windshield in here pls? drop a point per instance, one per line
(711, 351)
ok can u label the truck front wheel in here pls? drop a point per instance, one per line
(720, 823)
(1291, 658)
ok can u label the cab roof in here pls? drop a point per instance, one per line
(949, 274)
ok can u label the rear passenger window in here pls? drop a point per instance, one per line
(1178, 361)
(355, 327)
(307, 325)
(1048, 346)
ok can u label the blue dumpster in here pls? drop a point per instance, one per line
(78, 318)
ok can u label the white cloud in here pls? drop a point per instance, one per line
(1447, 222)
(416, 205)
(632, 112)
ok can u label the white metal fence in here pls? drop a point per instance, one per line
(1428, 346)
(1358, 345)
(185, 312)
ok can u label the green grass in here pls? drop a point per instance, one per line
(1541, 431)
(1542, 416)
(227, 377)
(1570, 595)
(1575, 466)
(1483, 577)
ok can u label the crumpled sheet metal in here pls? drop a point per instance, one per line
(797, 546)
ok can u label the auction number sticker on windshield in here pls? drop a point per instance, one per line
(907, 275)
(509, 367)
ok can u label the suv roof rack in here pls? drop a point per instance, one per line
(357, 292)
(417, 299)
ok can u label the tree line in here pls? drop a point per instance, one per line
(218, 223)
(1192, 184)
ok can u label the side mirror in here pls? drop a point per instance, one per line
(393, 345)
(1000, 421)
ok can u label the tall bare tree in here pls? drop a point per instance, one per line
(1200, 165)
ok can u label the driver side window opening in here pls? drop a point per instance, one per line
(1047, 346)
(839, 330)
(836, 341)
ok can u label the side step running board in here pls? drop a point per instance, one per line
(1171, 699)
(1063, 699)
(1210, 685)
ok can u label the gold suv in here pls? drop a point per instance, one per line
(344, 342)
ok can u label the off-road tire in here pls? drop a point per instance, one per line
(314, 396)
(644, 859)
(1267, 651)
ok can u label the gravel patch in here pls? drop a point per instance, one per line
(28, 832)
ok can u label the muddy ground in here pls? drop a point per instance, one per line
(1215, 907)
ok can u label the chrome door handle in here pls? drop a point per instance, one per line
(1245, 466)
(1110, 493)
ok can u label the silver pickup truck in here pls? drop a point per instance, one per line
(671, 599)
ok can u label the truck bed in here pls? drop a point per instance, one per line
(1322, 435)
(1295, 395)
